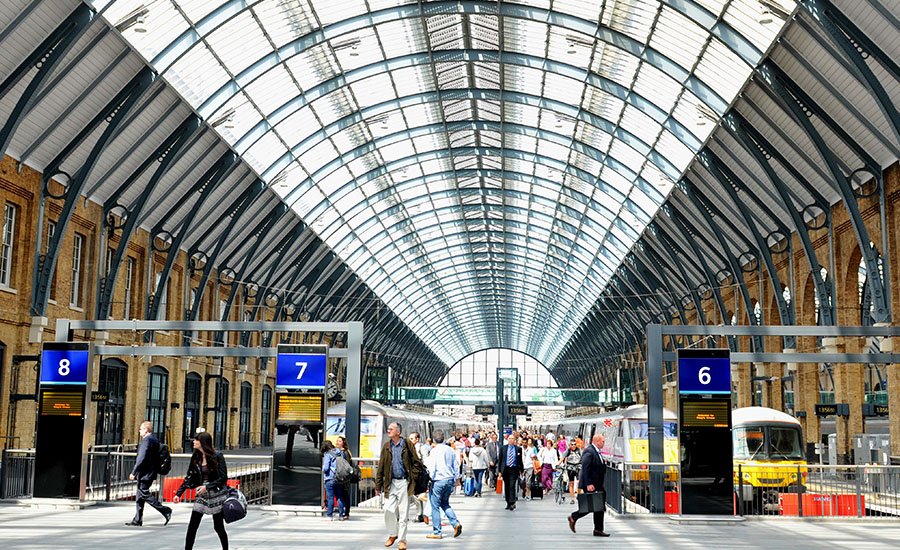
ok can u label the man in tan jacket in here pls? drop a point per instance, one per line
(398, 468)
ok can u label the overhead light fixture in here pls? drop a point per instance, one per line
(136, 19)
(225, 120)
(769, 10)
(705, 114)
(352, 45)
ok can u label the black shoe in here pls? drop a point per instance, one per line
(133, 523)
(600, 534)
(513, 507)
(572, 523)
(168, 515)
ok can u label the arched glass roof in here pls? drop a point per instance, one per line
(483, 165)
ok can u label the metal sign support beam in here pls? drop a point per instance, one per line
(353, 351)
(656, 356)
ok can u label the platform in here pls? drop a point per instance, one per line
(535, 524)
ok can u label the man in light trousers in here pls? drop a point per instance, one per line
(443, 466)
(398, 468)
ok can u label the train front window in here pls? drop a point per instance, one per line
(767, 443)
(784, 443)
(639, 430)
(748, 442)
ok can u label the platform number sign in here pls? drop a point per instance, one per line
(704, 371)
(301, 367)
(65, 363)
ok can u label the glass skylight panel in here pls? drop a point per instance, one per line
(283, 22)
(678, 38)
(330, 11)
(313, 66)
(207, 75)
(412, 80)
(657, 87)
(272, 89)
(722, 69)
(318, 156)
(239, 42)
(162, 25)
(758, 22)
(675, 150)
(632, 17)
(357, 49)
(429, 209)
(614, 63)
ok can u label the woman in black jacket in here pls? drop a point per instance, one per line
(208, 474)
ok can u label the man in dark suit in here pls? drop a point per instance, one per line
(511, 467)
(146, 467)
(593, 472)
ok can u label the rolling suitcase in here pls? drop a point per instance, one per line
(537, 490)
(469, 486)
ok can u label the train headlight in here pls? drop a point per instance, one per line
(794, 477)
(746, 476)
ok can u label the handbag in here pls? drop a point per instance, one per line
(423, 480)
(234, 507)
(591, 502)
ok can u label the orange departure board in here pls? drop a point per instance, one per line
(62, 403)
(299, 407)
(705, 413)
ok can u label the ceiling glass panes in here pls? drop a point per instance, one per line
(484, 166)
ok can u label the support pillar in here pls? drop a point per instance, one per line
(670, 396)
(893, 389)
(806, 395)
(740, 376)
(772, 394)
(848, 388)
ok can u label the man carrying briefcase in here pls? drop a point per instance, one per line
(593, 500)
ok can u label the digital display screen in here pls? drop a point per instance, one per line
(705, 413)
(299, 407)
(62, 403)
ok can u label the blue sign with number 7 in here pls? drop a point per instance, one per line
(296, 370)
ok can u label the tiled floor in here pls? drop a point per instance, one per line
(536, 525)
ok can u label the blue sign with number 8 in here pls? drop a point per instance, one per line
(63, 363)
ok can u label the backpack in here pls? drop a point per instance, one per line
(165, 459)
(345, 472)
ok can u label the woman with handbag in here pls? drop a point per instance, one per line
(207, 473)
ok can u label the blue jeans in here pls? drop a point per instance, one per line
(439, 497)
(332, 490)
(479, 474)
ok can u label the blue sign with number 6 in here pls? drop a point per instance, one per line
(704, 371)
(65, 363)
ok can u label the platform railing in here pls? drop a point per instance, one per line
(108, 476)
(16, 473)
(823, 491)
(363, 493)
(634, 486)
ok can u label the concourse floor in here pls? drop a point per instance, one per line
(534, 525)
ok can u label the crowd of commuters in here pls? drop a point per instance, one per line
(409, 470)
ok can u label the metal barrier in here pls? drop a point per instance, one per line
(824, 491)
(108, 476)
(16, 473)
(363, 493)
(634, 487)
